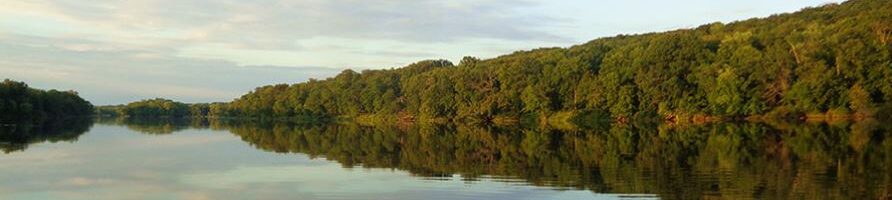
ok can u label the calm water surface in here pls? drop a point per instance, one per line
(200, 159)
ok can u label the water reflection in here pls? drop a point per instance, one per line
(734, 161)
(724, 161)
(154, 126)
(18, 137)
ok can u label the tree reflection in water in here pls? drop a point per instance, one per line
(18, 137)
(724, 160)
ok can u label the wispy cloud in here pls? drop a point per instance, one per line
(196, 50)
(110, 75)
(281, 25)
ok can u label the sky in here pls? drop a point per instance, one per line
(118, 51)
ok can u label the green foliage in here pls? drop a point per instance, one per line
(22, 104)
(199, 109)
(109, 110)
(164, 108)
(155, 108)
(813, 61)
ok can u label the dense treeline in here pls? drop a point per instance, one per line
(157, 107)
(22, 104)
(829, 61)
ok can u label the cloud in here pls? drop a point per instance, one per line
(111, 75)
(196, 50)
(85, 182)
(282, 24)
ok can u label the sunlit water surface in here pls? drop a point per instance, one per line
(172, 159)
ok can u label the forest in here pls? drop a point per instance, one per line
(157, 107)
(832, 61)
(20, 103)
